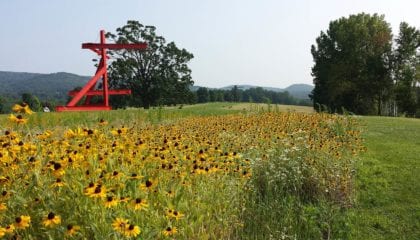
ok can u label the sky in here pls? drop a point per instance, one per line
(259, 42)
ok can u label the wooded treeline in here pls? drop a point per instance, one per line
(360, 68)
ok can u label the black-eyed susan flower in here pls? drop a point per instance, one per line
(114, 175)
(135, 176)
(171, 213)
(102, 122)
(19, 119)
(169, 231)
(51, 220)
(170, 193)
(72, 229)
(149, 184)
(10, 228)
(58, 183)
(139, 204)
(22, 222)
(132, 230)
(119, 131)
(120, 224)
(99, 192)
(24, 108)
(110, 202)
(89, 189)
(3, 207)
(57, 169)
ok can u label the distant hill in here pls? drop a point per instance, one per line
(246, 87)
(54, 86)
(45, 86)
(301, 91)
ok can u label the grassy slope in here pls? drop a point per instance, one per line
(388, 181)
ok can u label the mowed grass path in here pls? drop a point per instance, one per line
(388, 181)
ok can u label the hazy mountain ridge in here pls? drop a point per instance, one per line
(56, 85)
(45, 86)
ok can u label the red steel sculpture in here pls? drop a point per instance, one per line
(101, 73)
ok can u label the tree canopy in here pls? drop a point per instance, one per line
(158, 75)
(406, 69)
(356, 67)
(352, 64)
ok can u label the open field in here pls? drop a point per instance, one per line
(210, 171)
(388, 181)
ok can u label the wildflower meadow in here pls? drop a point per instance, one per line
(229, 176)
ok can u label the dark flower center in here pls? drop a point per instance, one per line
(69, 227)
(131, 227)
(138, 200)
(18, 219)
(57, 166)
(148, 183)
(51, 215)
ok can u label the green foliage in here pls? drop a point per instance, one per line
(32, 101)
(2, 107)
(352, 64)
(236, 94)
(158, 75)
(202, 95)
(406, 62)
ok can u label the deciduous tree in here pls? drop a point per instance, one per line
(158, 75)
(352, 64)
(406, 69)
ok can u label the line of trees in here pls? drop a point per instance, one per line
(256, 95)
(359, 67)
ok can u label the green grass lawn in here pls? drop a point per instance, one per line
(388, 181)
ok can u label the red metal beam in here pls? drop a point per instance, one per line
(100, 92)
(101, 73)
(139, 46)
(86, 88)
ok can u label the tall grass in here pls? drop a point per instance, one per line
(302, 188)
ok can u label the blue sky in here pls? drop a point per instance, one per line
(264, 42)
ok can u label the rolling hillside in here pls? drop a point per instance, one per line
(53, 86)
